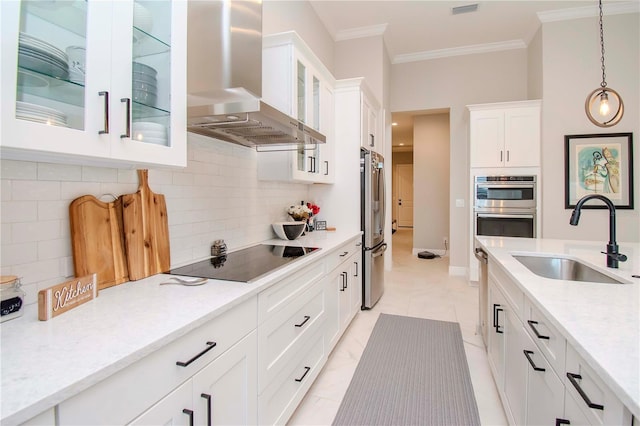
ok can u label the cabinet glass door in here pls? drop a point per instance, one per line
(151, 72)
(50, 85)
(302, 92)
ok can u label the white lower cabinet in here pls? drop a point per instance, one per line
(46, 418)
(170, 410)
(541, 378)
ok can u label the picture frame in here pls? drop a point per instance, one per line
(321, 225)
(599, 164)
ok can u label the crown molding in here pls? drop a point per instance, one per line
(588, 11)
(361, 32)
(459, 51)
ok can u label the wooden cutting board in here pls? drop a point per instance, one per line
(97, 240)
(146, 230)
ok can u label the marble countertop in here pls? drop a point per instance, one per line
(601, 321)
(46, 362)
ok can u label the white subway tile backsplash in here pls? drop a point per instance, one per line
(216, 196)
(34, 190)
(19, 211)
(19, 170)
(59, 172)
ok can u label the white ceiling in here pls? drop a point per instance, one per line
(420, 29)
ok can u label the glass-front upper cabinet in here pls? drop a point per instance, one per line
(94, 79)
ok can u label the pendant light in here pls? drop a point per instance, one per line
(600, 103)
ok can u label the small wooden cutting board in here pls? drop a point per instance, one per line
(97, 240)
(146, 230)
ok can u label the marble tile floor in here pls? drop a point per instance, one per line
(418, 288)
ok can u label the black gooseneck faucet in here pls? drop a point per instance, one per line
(612, 248)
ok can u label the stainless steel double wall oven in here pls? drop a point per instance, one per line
(505, 206)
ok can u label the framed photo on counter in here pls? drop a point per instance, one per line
(599, 164)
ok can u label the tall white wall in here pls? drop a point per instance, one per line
(431, 181)
(362, 57)
(454, 83)
(571, 70)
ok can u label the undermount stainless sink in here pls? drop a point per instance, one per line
(562, 268)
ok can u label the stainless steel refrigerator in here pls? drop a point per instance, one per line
(372, 224)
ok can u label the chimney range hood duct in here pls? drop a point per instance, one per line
(224, 78)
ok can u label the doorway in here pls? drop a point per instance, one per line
(404, 195)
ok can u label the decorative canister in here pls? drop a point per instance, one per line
(12, 298)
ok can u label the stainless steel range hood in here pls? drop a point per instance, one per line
(224, 78)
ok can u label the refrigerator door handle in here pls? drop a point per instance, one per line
(380, 251)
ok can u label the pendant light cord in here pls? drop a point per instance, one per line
(604, 83)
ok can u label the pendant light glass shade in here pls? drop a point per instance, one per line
(604, 106)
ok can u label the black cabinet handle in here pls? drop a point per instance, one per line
(356, 274)
(208, 398)
(532, 324)
(307, 369)
(306, 318)
(528, 355)
(572, 378)
(497, 320)
(210, 345)
(344, 254)
(326, 163)
(190, 414)
(562, 422)
(105, 129)
(495, 323)
(127, 133)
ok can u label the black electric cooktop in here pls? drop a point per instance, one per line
(244, 265)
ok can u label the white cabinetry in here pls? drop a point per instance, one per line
(541, 379)
(296, 82)
(173, 378)
(133, 54)
(370, 130)
(505, 134)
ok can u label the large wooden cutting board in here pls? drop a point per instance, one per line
(97, 240)
(146, 230)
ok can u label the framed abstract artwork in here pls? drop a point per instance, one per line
(599, 164)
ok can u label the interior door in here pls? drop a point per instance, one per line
(404, 175)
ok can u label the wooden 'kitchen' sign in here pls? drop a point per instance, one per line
(62, 297)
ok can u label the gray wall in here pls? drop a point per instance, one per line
(362, 57)
(431, 181)
(571, 70)
(454, 83)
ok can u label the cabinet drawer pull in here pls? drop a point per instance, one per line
(562, 422)
(538, 335)
(307, 369)
(210, 345)
(190, 414)
(572, 378)
(306, 318)
(127, 133)
(496, 318)
(105, 129)
(344, 254)
(326, 173)
(528, 355)
(356, 274)
(208, 398)
(495, 305)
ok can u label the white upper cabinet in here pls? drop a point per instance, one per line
(296, 82)
(94, 82)
(505, 134)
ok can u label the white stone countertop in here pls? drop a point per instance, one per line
(45, 362)
(601, 321)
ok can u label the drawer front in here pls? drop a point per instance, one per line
(514, 295)
(278, 402)
(551, 343)
(585, 380)
(343, 253)
(121, 397)
(280, 337)
(281, 294)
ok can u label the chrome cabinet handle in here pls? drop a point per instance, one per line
(210, 345)
(532, 324)
(105, 127)
(190, 414)
(501, 156)
(208, 398)
(127, 134)
(307, 369)
(572, 378)
(356, 274)
(528, 355)
(507, 156)
(326, 173)
(306, 318)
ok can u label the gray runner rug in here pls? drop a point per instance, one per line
(413, 371)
